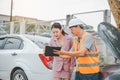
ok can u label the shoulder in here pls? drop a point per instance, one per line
(89, 37)
(52, 39)
(68, 37)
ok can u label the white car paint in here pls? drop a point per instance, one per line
(26, 59)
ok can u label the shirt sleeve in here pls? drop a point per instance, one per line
(71, 42)
(73, 61)
(72, 48)
(89, 43)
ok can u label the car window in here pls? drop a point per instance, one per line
(1, 42)
(13, 43)
(41, 42)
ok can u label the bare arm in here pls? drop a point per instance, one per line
(72, 54)
(64, 56)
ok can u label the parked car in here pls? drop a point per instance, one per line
(45, 34)
(111, 36)
(22, 58)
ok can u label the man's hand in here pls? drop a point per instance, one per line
(65, 56)
(59, 52)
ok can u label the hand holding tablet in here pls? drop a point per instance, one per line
(49, 51)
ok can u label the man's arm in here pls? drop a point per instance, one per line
(72, 54)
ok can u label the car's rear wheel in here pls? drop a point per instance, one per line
(19, 75)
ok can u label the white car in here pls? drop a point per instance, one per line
(22, 58)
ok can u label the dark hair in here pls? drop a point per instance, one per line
(78, 25)
(81, 26)
(57, 25)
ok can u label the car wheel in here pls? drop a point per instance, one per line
(19, 75)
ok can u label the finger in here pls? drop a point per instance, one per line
(55, 50)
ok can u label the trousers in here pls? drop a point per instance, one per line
(80, 76)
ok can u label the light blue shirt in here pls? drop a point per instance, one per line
(88, 43)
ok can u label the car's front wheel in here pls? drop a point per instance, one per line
(19, 75)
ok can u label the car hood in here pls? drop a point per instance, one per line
(111, 36)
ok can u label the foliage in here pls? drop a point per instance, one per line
(102, 61)
(30, 27)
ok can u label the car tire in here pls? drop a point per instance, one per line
(19, 75)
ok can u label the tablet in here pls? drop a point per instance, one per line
(49, 51)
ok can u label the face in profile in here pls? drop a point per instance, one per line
(73, 30)
(56, 32)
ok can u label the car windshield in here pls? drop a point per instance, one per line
(39, 40)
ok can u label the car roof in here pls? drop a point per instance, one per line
(21, 35)
(46, 39)
(10, 35)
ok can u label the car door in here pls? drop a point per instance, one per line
(9, 51)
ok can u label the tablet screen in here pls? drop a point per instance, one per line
(49, 51)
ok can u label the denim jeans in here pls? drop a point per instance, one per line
(80, 76)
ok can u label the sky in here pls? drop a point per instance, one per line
(51, 9)
(56, 9)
